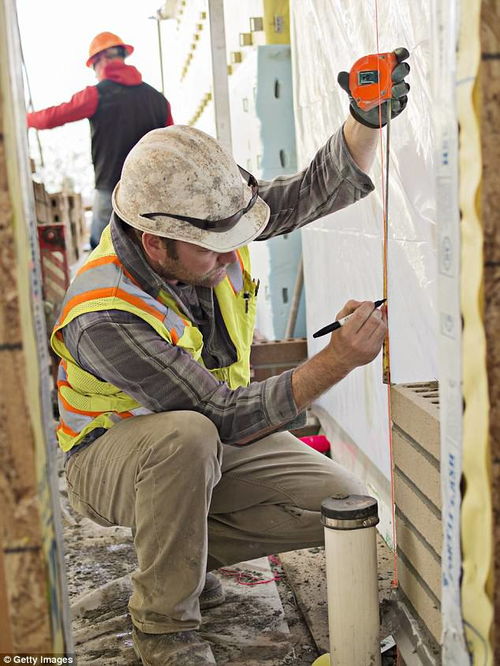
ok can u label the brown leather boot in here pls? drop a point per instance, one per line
(183, 648)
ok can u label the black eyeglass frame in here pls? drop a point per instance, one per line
(218, 226)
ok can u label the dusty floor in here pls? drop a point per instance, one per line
(283, 622)
(257, 625)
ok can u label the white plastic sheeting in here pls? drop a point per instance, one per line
(343, 253)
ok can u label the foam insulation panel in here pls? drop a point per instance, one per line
(477, 527)
(262, 122)
(343, 252)
(415, 412)
(263, 134)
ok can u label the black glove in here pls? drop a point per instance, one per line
(399, 94)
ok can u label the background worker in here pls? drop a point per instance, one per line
(163, 430)
(121, 108)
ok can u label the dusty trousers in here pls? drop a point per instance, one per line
(196, 504)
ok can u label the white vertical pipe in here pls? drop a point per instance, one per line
(219, 73)
(351, 574)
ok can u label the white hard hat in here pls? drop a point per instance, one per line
(178, 182)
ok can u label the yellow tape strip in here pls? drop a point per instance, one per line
(477, 608)
(277, 21)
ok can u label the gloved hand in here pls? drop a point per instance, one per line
(399, 94)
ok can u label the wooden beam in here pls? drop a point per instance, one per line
(20, 521)
(490, 147)
(33, 603)
(6, 644)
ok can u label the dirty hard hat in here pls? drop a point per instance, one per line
(180, 183)
(103, 41)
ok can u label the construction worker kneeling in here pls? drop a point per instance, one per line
(162, 429)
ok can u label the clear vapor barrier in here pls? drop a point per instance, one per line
(343, 253)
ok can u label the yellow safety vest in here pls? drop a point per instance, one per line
(103, 283)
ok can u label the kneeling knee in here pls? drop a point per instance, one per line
(344, 482)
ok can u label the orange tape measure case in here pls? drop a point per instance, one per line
(370, 79)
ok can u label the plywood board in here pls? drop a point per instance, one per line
(31, 553)
(20, 523)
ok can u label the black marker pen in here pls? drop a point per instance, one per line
(337, 324)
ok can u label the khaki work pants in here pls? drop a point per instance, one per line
(196, 504)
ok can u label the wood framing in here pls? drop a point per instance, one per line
(490, 146)
(34, 611)
(20, 523)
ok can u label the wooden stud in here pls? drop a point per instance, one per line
(490, 148)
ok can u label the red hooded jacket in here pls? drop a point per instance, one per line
(121, 109)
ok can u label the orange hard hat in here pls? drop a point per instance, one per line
(103, 41)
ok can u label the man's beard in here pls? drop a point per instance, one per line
(185, 276)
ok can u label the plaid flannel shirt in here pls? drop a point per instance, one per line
(122, 349)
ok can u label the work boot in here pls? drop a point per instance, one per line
(183, 648)
(212, 594)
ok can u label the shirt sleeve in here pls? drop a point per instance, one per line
(82, 105)
(331, 182)
(125, 351)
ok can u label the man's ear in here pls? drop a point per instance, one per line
(154, 246)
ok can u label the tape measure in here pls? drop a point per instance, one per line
(370, 79)
(370, 83)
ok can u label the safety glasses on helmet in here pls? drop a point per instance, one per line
(218, 226)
